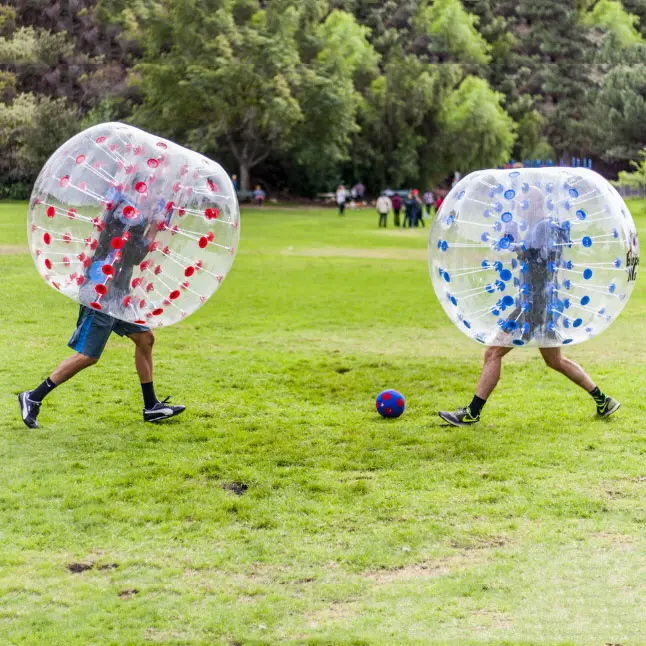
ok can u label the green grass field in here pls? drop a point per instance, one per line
(280, 509)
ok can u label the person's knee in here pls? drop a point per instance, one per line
(554, 361)
(494, 353)
(145, 341)
(86, 361)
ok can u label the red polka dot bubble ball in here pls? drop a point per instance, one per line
(390, 403)
(133, 225)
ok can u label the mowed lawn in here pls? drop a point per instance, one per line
(280, 509)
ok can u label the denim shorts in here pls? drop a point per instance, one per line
(93, 330)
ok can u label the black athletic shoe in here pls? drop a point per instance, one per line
(608, 407)
(162, 410)
(461, 417)
(28, 409)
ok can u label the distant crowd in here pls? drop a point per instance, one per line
(408, 208)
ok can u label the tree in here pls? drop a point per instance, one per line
(334, 83)
(473, 128)
(636, 179)
(452, 32)
(610, 17)
(620, 111)
(240, 85)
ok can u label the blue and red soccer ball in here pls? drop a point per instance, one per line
(390, 403)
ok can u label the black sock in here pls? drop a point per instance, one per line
(598, 396)
(476, 405)
(149, 395)
(38, 394)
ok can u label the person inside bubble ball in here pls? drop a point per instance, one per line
(538, 244)
(93, 328)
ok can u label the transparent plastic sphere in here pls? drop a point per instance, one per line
(133, 225)
(533, 256)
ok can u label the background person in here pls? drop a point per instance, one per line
(358, 192)
(410, 210)
(419, 211)
(397, 206)
(439, 200)
(384, 204)
(341, 197)
(259, 196)
(429, 201)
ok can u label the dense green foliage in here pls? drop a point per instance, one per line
(301, 95)
(353, 530)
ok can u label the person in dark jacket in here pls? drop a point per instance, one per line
(412, 207)
(397, 207)
(420, 210)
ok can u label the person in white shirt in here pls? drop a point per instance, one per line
(341, 197)
(384, 204)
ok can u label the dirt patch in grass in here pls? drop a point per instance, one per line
(426, 569)
(615, 540)
(79, 567)
(492, 619)
(12, 249)
(129, 593)
(337, 610)
(109, 566)
(238, 488)
(481, 543)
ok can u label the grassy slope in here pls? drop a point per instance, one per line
(353, 530)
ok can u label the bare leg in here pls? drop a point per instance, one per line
(71, 366)
(572, 370)
(489, 377)
(144, 342)
(490, 374)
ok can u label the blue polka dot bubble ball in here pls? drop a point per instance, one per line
(533, 256)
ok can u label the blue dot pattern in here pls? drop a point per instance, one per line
(555, 266)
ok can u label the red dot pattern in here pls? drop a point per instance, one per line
(140, 188)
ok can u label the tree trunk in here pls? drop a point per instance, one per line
(245, 181)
